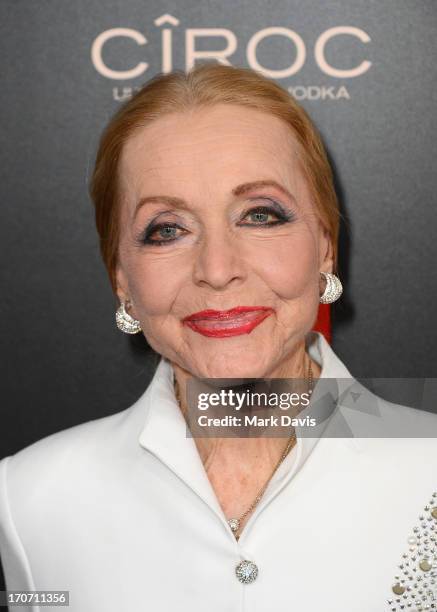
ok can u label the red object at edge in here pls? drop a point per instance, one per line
(323, 321)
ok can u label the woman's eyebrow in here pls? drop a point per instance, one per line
(245, 187)
(237, 191)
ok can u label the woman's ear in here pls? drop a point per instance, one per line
(122, 289)
(326, 250)
(123, 292)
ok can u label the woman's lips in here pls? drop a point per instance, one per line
(224, 323)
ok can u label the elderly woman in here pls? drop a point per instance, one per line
(218, 225)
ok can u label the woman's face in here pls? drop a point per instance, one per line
(211, 237)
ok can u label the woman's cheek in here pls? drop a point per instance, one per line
(153, 294)
(288, 267)
(155, 287)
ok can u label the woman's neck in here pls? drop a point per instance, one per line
(249, 454)
(239, 468)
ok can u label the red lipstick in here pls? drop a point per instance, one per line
(225, 323)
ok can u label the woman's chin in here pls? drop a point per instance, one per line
(241, 356)
(236, 367)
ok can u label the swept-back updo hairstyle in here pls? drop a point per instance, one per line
(205, 85)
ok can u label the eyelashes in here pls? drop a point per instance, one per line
(167, 231)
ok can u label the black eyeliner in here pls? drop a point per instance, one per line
(284, 216)
(144, 237)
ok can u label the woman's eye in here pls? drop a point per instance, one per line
(165, 232)
(261, 214)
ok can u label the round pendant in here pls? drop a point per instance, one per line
(246, 571)
(234, 524)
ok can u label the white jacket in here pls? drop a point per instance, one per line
(119, 511)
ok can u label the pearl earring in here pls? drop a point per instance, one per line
(125, 322)
(333, 288)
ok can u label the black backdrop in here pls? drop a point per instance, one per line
(64, 361)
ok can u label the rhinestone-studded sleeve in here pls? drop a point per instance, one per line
(415, 587)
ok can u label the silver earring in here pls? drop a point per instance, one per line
(333, 288)
(125, 322)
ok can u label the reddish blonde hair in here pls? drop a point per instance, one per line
(205, 85)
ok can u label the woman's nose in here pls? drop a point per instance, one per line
(218, 260)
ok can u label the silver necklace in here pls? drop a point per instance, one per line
(235, 523)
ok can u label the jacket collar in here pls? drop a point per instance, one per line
(165, 432)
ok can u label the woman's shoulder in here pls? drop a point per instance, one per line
(73, 452)
(375, 415)
(379, 426)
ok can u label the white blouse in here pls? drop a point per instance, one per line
(120, 512)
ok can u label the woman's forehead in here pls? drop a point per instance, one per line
(209, 145)
(220, 133)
